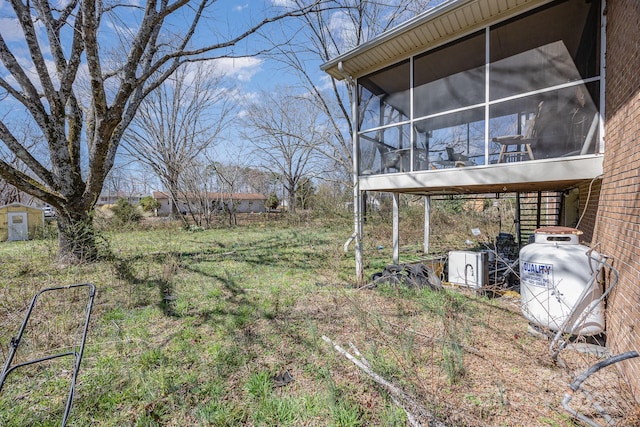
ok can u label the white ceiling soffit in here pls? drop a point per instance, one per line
(448, 21)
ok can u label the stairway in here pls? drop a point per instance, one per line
(535, 210)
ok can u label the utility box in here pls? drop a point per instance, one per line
(468, 268)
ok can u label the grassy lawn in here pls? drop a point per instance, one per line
(190, 328)
(205, 356)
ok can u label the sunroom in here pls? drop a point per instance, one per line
(480, 96)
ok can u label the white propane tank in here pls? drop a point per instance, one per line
(556, 283)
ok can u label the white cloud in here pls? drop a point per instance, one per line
(343, 30)
(325, 83)
(242, 69)
(10, 29)
(242, 114)
(283, 3)
(240, 7)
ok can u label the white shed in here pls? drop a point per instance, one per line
(19, 222)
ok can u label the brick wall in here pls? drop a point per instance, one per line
(589, 197)
(617, 228)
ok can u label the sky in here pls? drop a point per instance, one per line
(252, 75)
(227, 17)
(249, 75)
(255, 74)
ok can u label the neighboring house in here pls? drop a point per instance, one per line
(19, 222)
(112, 197)
(242, 202)
(496, 96)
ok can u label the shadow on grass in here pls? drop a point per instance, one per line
(257, 320)
(289, 251)
(166, 290)
(294, 251)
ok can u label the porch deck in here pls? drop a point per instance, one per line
(554, 174)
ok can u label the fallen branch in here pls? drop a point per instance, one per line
(357, 353)
(411, 419)
(396, 394)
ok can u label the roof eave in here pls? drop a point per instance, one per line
(347, 64)
(332, 66)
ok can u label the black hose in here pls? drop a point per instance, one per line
(575, 385)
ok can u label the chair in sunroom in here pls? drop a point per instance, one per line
(518, 147)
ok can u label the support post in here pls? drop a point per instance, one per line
(427, 223)
(357, 195)
(539, 210)
(517, 220)
(357, 201)
(396, 228)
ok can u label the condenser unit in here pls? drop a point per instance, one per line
(468, 268)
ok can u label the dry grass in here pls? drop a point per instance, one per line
(508, 376)
(253, 302)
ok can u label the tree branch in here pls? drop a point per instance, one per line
(20, 152)
(392, 389)
(31, 38)
(30, 97)
(26, 183)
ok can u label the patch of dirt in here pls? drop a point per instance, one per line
(501, 375)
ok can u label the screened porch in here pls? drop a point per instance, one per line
(521, 90)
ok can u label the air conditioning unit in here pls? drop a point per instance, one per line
(468, 268)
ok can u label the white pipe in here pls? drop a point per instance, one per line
(348, 242)
(357, 196)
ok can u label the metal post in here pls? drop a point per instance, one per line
(517, 220)
(357, 200)
(539, 209)
(603, 76)
(427, 222)
(357, 196)
(396, 228)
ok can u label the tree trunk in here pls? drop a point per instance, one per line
(176, 209)
(230, 206)
(76, 237)
(291, 198)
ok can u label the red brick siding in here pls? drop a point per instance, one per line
(589, 196)
(618, 218)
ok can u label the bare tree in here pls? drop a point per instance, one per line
(118, 181)
(325, 34)
(8, 193)
(177, 123)
(260, 181)
(230, 178)
(123, 51)
(208, 187)
(121, 181)
(195, 190)
(285, 131)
